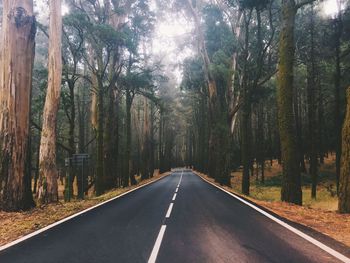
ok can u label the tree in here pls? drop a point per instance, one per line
(291, 185)
(344, 182)
(312, 107)
(48, 191)
(338, 91)
(17, 55)
(219, 154)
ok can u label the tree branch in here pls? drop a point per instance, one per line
(302, 3)
(36, 126)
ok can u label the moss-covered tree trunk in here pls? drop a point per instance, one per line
(48, 174)
(344, 179)
(291, 185)
(17, 55)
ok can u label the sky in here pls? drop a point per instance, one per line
(330, 7)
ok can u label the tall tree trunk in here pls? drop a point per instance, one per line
(100, 185)
(299, 129)
(68, 191)
(128, 173)
(291, 185)
(337, 95)
(311, 83)
(17, 55)
(246, 111)
(344, 182)
(321, 125)
(48, 191)
(160, 143)
(152, 150)
(146, 147)
(261, 141)
(246, 145)
(81, 105)
(111, 141)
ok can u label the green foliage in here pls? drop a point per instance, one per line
(193, 75)
(253, 4)
(218, 34)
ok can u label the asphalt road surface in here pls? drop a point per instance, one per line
(179, 218)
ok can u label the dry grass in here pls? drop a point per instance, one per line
(320, 214)
(271, 191)
(15, 225)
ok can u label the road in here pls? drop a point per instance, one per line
(199, 224)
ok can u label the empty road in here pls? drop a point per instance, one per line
(179, 218)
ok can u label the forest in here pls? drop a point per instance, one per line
(91, 101)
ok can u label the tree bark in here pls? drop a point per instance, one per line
(68, 191)
(246, 111)
(146, 148)
(311, 85)
(344, 182)
(100, 185)
(48, 174)
(128, 173)
(291, 185)
(17, 55)
(337, 96)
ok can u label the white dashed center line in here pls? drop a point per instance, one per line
(169, 210)
(155, 250)
(156, 247)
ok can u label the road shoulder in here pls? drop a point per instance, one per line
(274, 209)
(17, 226)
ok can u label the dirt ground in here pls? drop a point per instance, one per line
(15, 225)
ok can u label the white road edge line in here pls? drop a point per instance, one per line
(177, 189)
(174, 197)
(35, 233)
(169, 210)
(155, 250)
(317, 243)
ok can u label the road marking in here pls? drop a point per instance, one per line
(73, 216)
(155, 250)
(169, 210)
(154, 254)
(317, 243)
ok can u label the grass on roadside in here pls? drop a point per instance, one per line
(270, 191)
